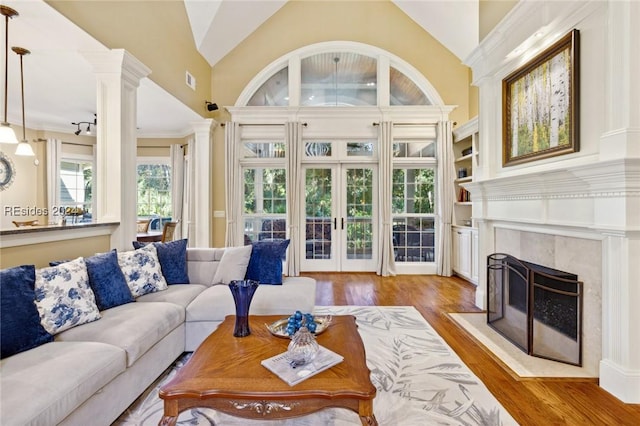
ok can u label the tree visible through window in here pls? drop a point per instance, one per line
(413, 214)
(154, 190)
(265, 203)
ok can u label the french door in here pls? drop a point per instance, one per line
(340, 218)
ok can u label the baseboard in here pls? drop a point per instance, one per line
(622, 383)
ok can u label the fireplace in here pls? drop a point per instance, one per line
(539, 309)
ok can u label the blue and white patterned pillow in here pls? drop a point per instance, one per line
(142, 270)
(63, 296)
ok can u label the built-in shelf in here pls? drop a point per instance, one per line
(465, 158)
(464, 237)
(464, 179)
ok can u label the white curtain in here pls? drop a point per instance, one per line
(189, 191)
(386, 261)
(293, 132)
(445, 195)
(233, 183)
(54, 153)
(177, 187)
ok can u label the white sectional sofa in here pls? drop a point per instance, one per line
(92, 372)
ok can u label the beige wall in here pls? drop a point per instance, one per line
(154, 147)
(492, 12)
(155, 32)
(301, 23)
(41, 254)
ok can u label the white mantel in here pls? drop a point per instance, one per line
(591, 195)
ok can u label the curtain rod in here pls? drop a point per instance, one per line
(258, 124)
(77, 144)
(82, 144)
(412, 124)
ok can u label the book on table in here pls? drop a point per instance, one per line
(280, 365)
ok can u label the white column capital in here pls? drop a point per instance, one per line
(118, 61)
(205, 126)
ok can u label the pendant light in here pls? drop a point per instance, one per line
(23, 147)
(7, 135)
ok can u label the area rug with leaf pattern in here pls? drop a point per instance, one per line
(420, 380)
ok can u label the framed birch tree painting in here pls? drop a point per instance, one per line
(540, 105)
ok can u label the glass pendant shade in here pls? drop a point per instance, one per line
(7, 135)
(24, 149)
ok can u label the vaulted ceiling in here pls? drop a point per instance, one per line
(56, 69)
(219, 25)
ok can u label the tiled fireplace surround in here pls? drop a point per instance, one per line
(565, 220)
(580, 256)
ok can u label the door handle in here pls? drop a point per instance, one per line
(342, 223)
(335, 223)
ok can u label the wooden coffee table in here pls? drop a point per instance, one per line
(225, 374)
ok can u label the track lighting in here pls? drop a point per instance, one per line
(88, 123)
(211, 106)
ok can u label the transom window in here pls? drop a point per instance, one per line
(338, 78)
(339, 74)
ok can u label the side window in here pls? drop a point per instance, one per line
(154, 192)
(265, 204)
(413, 208)
(76, 189)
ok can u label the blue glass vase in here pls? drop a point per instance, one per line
(242, 291)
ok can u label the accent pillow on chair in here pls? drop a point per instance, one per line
(233, 265)
(142, 271)
(64, 297)
(265, 264)
(107, 280)
(20, 328)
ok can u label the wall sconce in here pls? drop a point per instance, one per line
(211, 106)
(7, 135)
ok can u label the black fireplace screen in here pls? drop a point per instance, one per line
(538, 309)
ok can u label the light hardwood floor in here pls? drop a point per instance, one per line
(537, 402)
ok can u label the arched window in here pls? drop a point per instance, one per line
(339, 74)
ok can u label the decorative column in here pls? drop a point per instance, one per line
(201, 204)
(618, 212)
(118, 76)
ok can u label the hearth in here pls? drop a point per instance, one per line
(539, 309)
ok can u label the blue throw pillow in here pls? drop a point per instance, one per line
(20, 328)
(173, 260)
(265, 263)
(107, 280)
